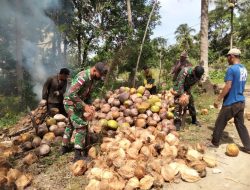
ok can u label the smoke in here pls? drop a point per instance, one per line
(36, 32)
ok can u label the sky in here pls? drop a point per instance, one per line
(176, 12)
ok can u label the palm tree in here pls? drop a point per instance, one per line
(184, 37)
(204, 37)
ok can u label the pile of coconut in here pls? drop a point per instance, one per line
(142, 149)
(30, 146)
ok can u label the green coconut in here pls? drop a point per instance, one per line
(155, 109)
(50, 121)
(112, 124)
(103, 122)
(170, 115)
(141, 89)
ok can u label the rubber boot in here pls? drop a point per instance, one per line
(195, 122)
(177, 124)
(78, 155)
(64, 150)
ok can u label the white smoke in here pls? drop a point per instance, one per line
(35, 28)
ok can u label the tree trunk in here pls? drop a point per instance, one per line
(145, 33)
(204, 38)
(79, 47)
(160, 67)
(19, 70)
(130, 23)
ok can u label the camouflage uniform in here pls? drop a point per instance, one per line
(183, 84)
(74, 102)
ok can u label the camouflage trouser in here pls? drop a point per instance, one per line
(76, 123)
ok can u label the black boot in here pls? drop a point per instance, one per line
(195, 122)
(177, 124)
(78, 155)
(64, 150)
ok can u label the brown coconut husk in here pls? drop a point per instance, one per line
(146, 182)
(78, 168)
(23, 181)
(30, 159)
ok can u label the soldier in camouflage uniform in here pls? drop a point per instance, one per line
(185, 80)
(75, 103)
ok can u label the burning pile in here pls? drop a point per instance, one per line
(142, 149)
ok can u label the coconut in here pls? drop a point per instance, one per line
(149, 113)
(49, 137)
(26, 146)
(155, 108)
(79, 168)
(101, 115)
(43, 150)
(50, 121)
(119, 162)
(25, 137)
(158, 179)
(13, 175)
(146, 151)
(172, 139)
(232, 150)
(141, 123)
(200, 148)
(204, 111)
(93, 185)
(126, 171)
(198, 165)
(59, 117)
(128, 103)
(170, 115)
(124, 144)
(167, 173)
(92, 153)
(133, 183)
(189, 175)
(140, 172)
(193, 155)
(52, 128)
(115, 114)
(61, 124)
(3, 174)
(110, 100)
(132, 153)
(23, 181)
(127, 112)
(156, 117)
(112, 124)
(105, 108)
(210, 161)
(134, 112)
(59, 131)
(146, 182)
(42, 130)
(116, 103)
(30, 159)
(129, 120)
(123, 97)
(151, 122)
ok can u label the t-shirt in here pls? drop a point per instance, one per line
(237, 73)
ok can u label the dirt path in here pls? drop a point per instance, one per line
(235, 172)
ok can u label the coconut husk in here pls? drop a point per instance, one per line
(210, 161)
(158, 179)
(26, 146)
(92, 153)
(42, 130)
(167, 173)
(198, 165)
(172, 139)
(126, 171)
(124, 144)
(93, 185)
(61, 124)
(133, 183)
(146, 182)
(155, 164)
(13, 175)
(190, 175)
(78, 168)
(146, 151)
(23, 181)
(193, 155)
(30, 159)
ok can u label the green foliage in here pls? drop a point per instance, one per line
(10, 112)
(217, 76)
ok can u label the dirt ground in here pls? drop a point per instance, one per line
(233, 172)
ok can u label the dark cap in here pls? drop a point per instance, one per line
(101, 68)
(199, 71)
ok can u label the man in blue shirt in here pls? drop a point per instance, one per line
(233, 101)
